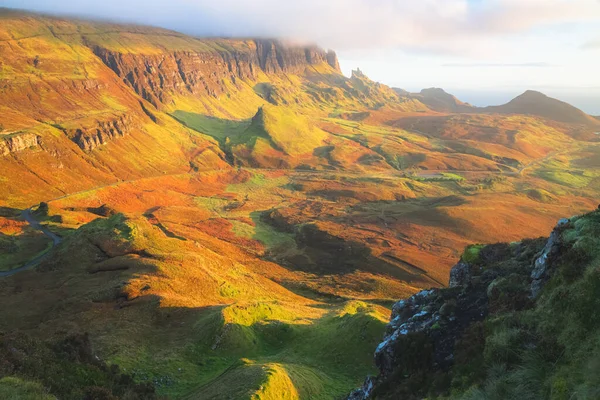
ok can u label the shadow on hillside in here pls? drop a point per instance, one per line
(22, 246)
(218, 128)
(326, 254)
(92, 283)
(224, 131)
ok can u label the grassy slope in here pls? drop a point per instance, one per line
(524, 348)
(562, 324)
(188, 264)
(230, 315)
(17, 389)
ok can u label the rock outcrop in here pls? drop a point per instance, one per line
(542, 267)
(157, 77)
(430, 332)
(18, 142)
(103, 132)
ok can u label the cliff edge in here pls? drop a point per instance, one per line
(518, 320)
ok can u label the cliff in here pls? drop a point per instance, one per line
(517, 321)
(18, 142)
(65, 81)
(102, 132)
(204, 72)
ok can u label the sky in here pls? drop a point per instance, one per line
(484, 51)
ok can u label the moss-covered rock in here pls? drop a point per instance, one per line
(519, 321)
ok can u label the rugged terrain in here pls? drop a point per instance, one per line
(517, 322)
(236, 217)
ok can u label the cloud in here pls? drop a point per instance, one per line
(591, 45)
(437, 26)
(500, 65)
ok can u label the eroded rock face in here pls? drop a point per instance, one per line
(158, 77)
(429, 331)
(103, 132)
(18, 142)
(543, 263)
(460, 275)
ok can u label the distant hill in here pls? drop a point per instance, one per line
(536, 103)
(529, 103)
(438, 100)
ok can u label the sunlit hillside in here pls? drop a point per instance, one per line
(233, 219)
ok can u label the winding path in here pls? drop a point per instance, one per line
(27, 216)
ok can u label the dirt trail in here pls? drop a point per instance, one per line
(27, 216)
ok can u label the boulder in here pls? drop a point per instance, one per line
(460, 275)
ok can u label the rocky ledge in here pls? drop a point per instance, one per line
(157, 78)
(434, 335)
(103, 132)
(18, 142)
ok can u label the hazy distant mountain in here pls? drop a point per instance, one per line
(438, 100)
(536, 103)
(529, 103)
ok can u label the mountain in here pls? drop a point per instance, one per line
(70, 88)
(536, 103)
(529, 103)
(517, 321)
(234, 218)
(439, 100)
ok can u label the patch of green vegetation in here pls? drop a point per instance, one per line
(288, 131)
(441, 177)
(16, 251)
(16, 389)
(541, 195)
(117, 226)
(113, 103)
(550, 351)
(220, 129)
(572, 179)
(67, 369)
(471, 254)
(303, 358)
(272, 238)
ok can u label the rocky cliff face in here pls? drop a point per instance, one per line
(103, 132)
(18, 142)
(434, 336)
(158, 77)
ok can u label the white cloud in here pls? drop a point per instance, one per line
(408, 43)
(439, 26)
(591, 45)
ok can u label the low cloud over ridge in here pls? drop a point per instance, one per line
(435, 26)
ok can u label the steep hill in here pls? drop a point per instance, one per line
(516, 322)
(85, 104)
(234, 218)
(536, 103)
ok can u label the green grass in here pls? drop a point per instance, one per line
(550, 351)
(275, 241)
(471, 254)
(442, 177)
(17, 389)
(218, 128)
(572, 179)
(265, 352)
(16, 251)
(288, 131)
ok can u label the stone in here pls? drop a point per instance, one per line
(543, 262)
(18, 142)
(460, 275)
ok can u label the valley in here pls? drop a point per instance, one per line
(235, 218)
